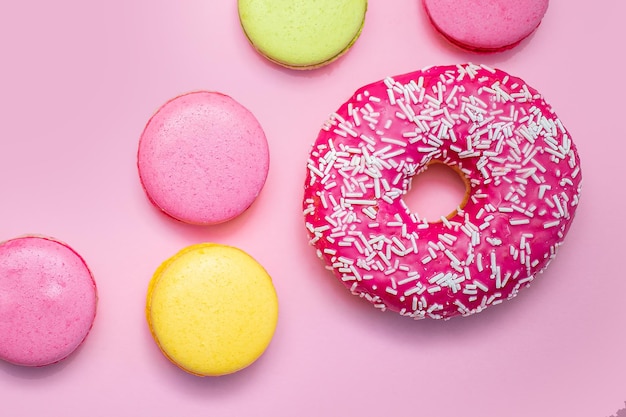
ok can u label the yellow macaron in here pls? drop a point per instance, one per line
(302, 34)
(212, 309)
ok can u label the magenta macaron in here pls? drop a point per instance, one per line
(48, 301)
(203, 158)
(486, 25)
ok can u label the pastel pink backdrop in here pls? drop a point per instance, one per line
(78, 82)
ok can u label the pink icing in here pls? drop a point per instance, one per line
(203, 158)
(47, 301)
(523, 178)
(486, 25)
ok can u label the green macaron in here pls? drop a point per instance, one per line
(302, 34)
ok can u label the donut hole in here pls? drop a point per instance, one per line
(437, 192)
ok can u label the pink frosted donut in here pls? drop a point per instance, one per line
(203, 158)
(518, 161)
(47, 301)
(485, 25)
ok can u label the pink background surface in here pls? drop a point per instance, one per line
(79, 80)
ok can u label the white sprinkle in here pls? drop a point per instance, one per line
(452, 257)
(393, 141)
(480, 285)
(405, 281)
(479, 262)
(412, 290)
(353, 201)
(391, 291)
(434, 289)
(551, 224)
(558, 205)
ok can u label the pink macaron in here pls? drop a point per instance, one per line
(48, 301)
(486, 25)
(203, 158)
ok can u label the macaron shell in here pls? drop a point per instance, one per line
(486, 25)
(47, 301)
(302, 34)
(203, 158)
(212, 309)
